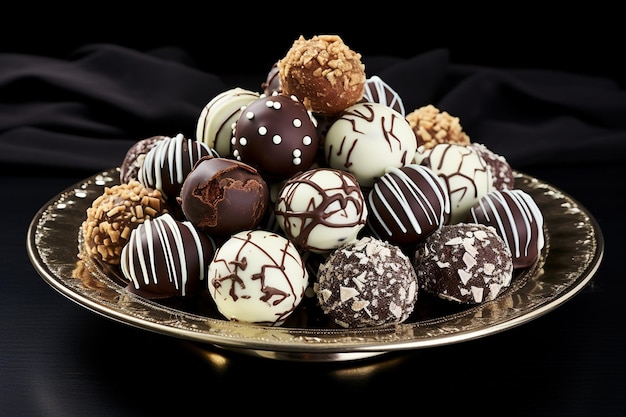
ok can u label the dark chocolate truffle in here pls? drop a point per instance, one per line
(222, 196)
(133, 160)
(167, 164)
(517, 219)
(499, 168)
(407, 204)
(368, 282)
(165, 257)
(466, 263)
(276, 135)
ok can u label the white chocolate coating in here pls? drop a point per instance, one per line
(463, 170)
(366, 139)
(257, 277)
(215, 124)
(321, 209)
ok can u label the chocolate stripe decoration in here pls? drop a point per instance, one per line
(166, 257)
(517, 219)
(407, 204)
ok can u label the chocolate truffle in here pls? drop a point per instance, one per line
(215, 123)
(165, 257)
(499, 168)
(129, 169)
(433, 126)
(463, 170)
(272, 81)
(407, 204)
(321, 209)
(221, 196)
(367, 138)
(167, 164)
(257, 276)
(114, 214)
(368, 282)
(517, 219)
(276, 135)
(324, 73)
(466, 263)
(378, 91)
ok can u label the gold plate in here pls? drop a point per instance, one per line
(572, 254)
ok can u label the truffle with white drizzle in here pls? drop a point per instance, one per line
(517, 219)
(165, 257)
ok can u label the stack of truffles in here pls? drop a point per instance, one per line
(319, 186)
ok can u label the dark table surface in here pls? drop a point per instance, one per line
(58, 358)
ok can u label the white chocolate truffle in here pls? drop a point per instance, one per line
(463, 170)
(321, 209)
(257, 277)
(215, 124)
(368, 137)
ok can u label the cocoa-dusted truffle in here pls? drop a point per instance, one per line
(466, 263)
(368, 282)
(165, 257)
(133, 160)
(433, 126)
(223, 196)
(517, 219)
(114, 214)
(324, 73)
(276, 135)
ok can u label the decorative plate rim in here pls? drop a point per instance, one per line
(572, 254)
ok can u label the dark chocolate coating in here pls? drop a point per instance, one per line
(167, 164)
(222, 196)
(272, 82)
(517, 219)
(165, 257)
(368, 282)
(407, 204)
(277, 136)
(466, 263)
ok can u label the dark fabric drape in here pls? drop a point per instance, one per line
(85, 111)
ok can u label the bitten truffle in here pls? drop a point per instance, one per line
(222, 196)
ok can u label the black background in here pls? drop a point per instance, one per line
(586, 38)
